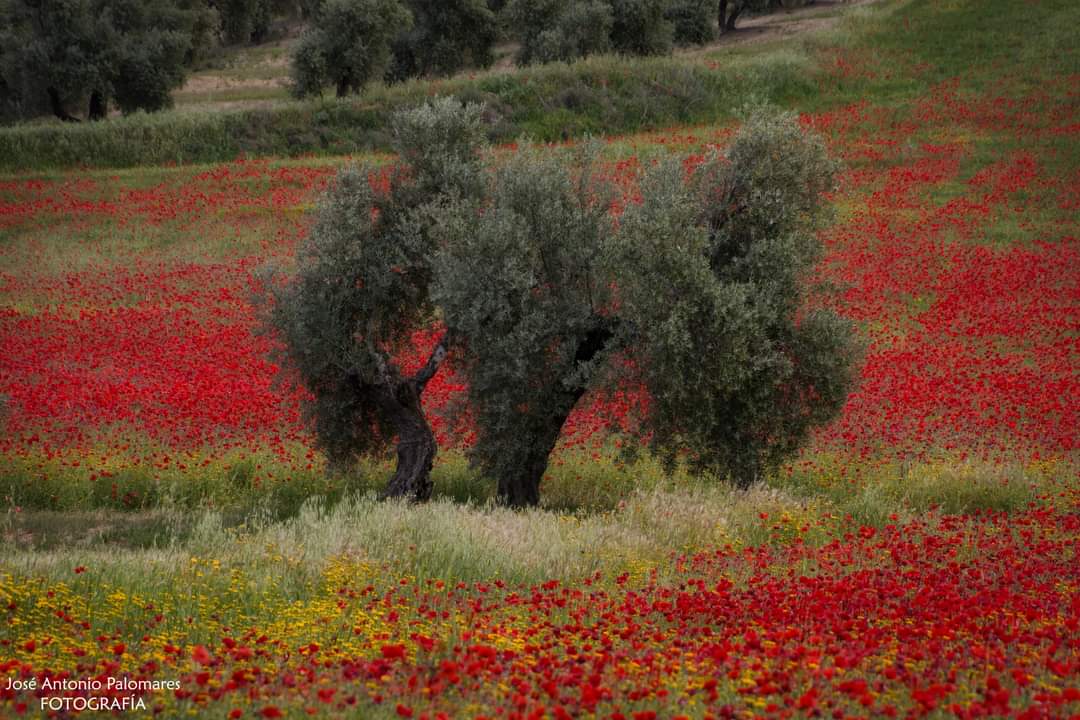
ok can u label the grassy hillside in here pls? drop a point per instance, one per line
(601, 95)
(605, 95)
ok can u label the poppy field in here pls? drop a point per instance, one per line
(920, 558)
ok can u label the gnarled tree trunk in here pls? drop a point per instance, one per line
(416, 445)
(399, 399)
(521, 488)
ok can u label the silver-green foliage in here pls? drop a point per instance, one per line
(701, 286)
(57, 54)
(446, 36)
(693, 21)
(363, 276)
(549, 29)
(713, 278)
(581, 30)
(347, 45)
(520, 284)
(641, 27)
(698, 291)
(565, 30)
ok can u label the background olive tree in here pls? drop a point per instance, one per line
(446, 36)
(641, 27)
(347, 45)
(550, 30)
(693, 21)
(362, 287)
(74, 58)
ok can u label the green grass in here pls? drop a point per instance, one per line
(594, 489)
(239, 94)
(469, 539)
(601, 95)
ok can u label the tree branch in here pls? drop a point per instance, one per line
(438, 355)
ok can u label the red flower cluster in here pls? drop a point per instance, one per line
(966, 617)
(960, 271)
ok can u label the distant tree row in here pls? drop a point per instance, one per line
(79, 58)
(350, 43)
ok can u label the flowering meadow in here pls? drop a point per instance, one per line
(921, 558)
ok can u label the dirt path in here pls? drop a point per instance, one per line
(821, 15)
(778, 25)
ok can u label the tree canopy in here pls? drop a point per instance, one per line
(446, 36)
(61, 56)
(347, 45)
(738, 370)
(533, 333)
(698, 291)
(362, 287)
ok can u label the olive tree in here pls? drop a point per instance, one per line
(347, 45)
(535, 330)
(362, 287)
(641, 27)
(713, 277)
(565, 30)
(446, 36)
(551, 30)
(61, 56)
(697, 291)
(693, 21)
(701, 284)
